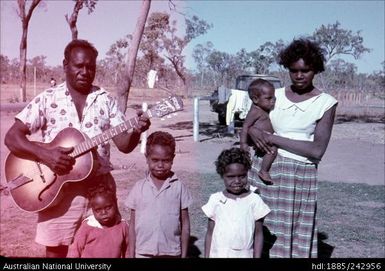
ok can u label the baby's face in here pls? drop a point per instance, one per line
(266, 99)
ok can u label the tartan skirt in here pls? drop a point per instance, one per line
(290, 228)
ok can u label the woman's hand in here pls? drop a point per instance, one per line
(261, 139)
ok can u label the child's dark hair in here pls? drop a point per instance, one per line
(306, 49)
(101, 190)
(256, 86)
(160, 138)
(232, 156)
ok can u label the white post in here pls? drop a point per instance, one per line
(196, 120)
(34, 81)
(144, 134)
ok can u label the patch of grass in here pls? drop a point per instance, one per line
(350, 216)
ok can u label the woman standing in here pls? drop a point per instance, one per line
(302, 120)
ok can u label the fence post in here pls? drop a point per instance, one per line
(196, 119)
(144, 134)
(34, 81)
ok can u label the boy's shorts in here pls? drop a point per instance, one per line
(56, 225)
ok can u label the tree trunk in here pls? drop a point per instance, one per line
(23, 63)
(74, 18)
(181, 76)
(132, 53)
(23, 43)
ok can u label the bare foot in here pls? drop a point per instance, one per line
(265, 177)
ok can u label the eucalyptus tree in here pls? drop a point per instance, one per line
(337, 41)
(25, 14)
(72, 20)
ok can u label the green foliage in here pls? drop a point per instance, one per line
(90, 4)
(195, 27)
(151, 44)
(338, 41)
(223, 67)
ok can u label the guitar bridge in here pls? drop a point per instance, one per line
(18, 181)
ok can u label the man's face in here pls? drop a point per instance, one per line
(80, 70)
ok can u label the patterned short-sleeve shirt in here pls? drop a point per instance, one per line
(54, 110)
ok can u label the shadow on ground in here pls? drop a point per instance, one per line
(193, 251)
(325, 250)
(342, 118)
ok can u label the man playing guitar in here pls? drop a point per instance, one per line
(79, 104)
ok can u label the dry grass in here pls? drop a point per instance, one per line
(350, 217)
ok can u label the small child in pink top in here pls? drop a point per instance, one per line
(103, 234)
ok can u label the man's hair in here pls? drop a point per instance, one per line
(79, 44)
(160, 138)
(232, 156)
(256, 86)
(306, 49)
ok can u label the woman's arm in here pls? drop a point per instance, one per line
(209, 235)
(314, 150)
(185, 236)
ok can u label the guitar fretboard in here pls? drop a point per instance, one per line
(167, 106)
(87, 145)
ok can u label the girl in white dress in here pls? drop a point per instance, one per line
(235, 215)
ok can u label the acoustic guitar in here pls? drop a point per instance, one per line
(34, 186)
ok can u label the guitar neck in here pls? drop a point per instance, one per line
(91, 143)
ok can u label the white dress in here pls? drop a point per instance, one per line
(233, 234)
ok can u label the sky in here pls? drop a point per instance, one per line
(236, 25)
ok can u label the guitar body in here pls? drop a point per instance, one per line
(34, 186)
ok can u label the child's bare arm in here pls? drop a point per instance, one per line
(252, 116)
(209, 235)
(258, 238)
(131, 235)
(185, 236)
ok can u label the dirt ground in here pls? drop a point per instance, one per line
(355, 153)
